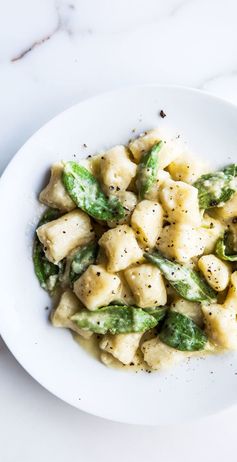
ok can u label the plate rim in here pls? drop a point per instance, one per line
(4, 178)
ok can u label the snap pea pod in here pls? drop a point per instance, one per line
(231, 170)
(147, 171)
(47, 272)
(157, 313)
(223, 248)
(188, 283)
(216, 188)
(85, 191)
(180, 332)
(85, 256)
(115, 319)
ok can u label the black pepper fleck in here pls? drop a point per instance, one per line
(162, 114)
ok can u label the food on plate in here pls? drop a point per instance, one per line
(138, 250)
(85, 190)
(147, 171)
(187, 282)
(217, 188)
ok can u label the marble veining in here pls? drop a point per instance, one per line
(53, 53)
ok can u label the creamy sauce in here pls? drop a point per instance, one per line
(91, 345)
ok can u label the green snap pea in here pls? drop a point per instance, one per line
(188, 283)
(85, 191)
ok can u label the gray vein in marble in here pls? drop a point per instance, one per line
(63, 21)
(215, 77)
(177, 8)
(172, 12)
(35, 44)
(64, 14)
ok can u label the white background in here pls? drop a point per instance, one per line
(52, 55)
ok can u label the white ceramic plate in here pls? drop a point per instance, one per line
(193, 389)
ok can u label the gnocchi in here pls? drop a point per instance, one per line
(122, 346)
(170, 149)
(216, 272)
(187, 168)
(147, 221)
(54, 194)
(180, 203)
(221, 323)
(67, 307)
(96, 287)
(181, 242)
(160, 356)
(147, 285)
(121, 248)
(59, 237)
(116, 170)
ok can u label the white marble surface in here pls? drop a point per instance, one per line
(53, 54)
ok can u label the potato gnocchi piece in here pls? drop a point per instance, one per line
(146, 221)
(122, 346)
(121, 248)
(221, 325)
(190, 309)
(169, 151)
(187, 168)
(129, 201)
(96, 287)
(211, 230)
(181, 242)
(54, 194)
(147, 285)
(67, 307)
(216, 272)
(160, 356)
(62, 235)
(124, 294)
(116, 170)
(180, 203)
(220, 320)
